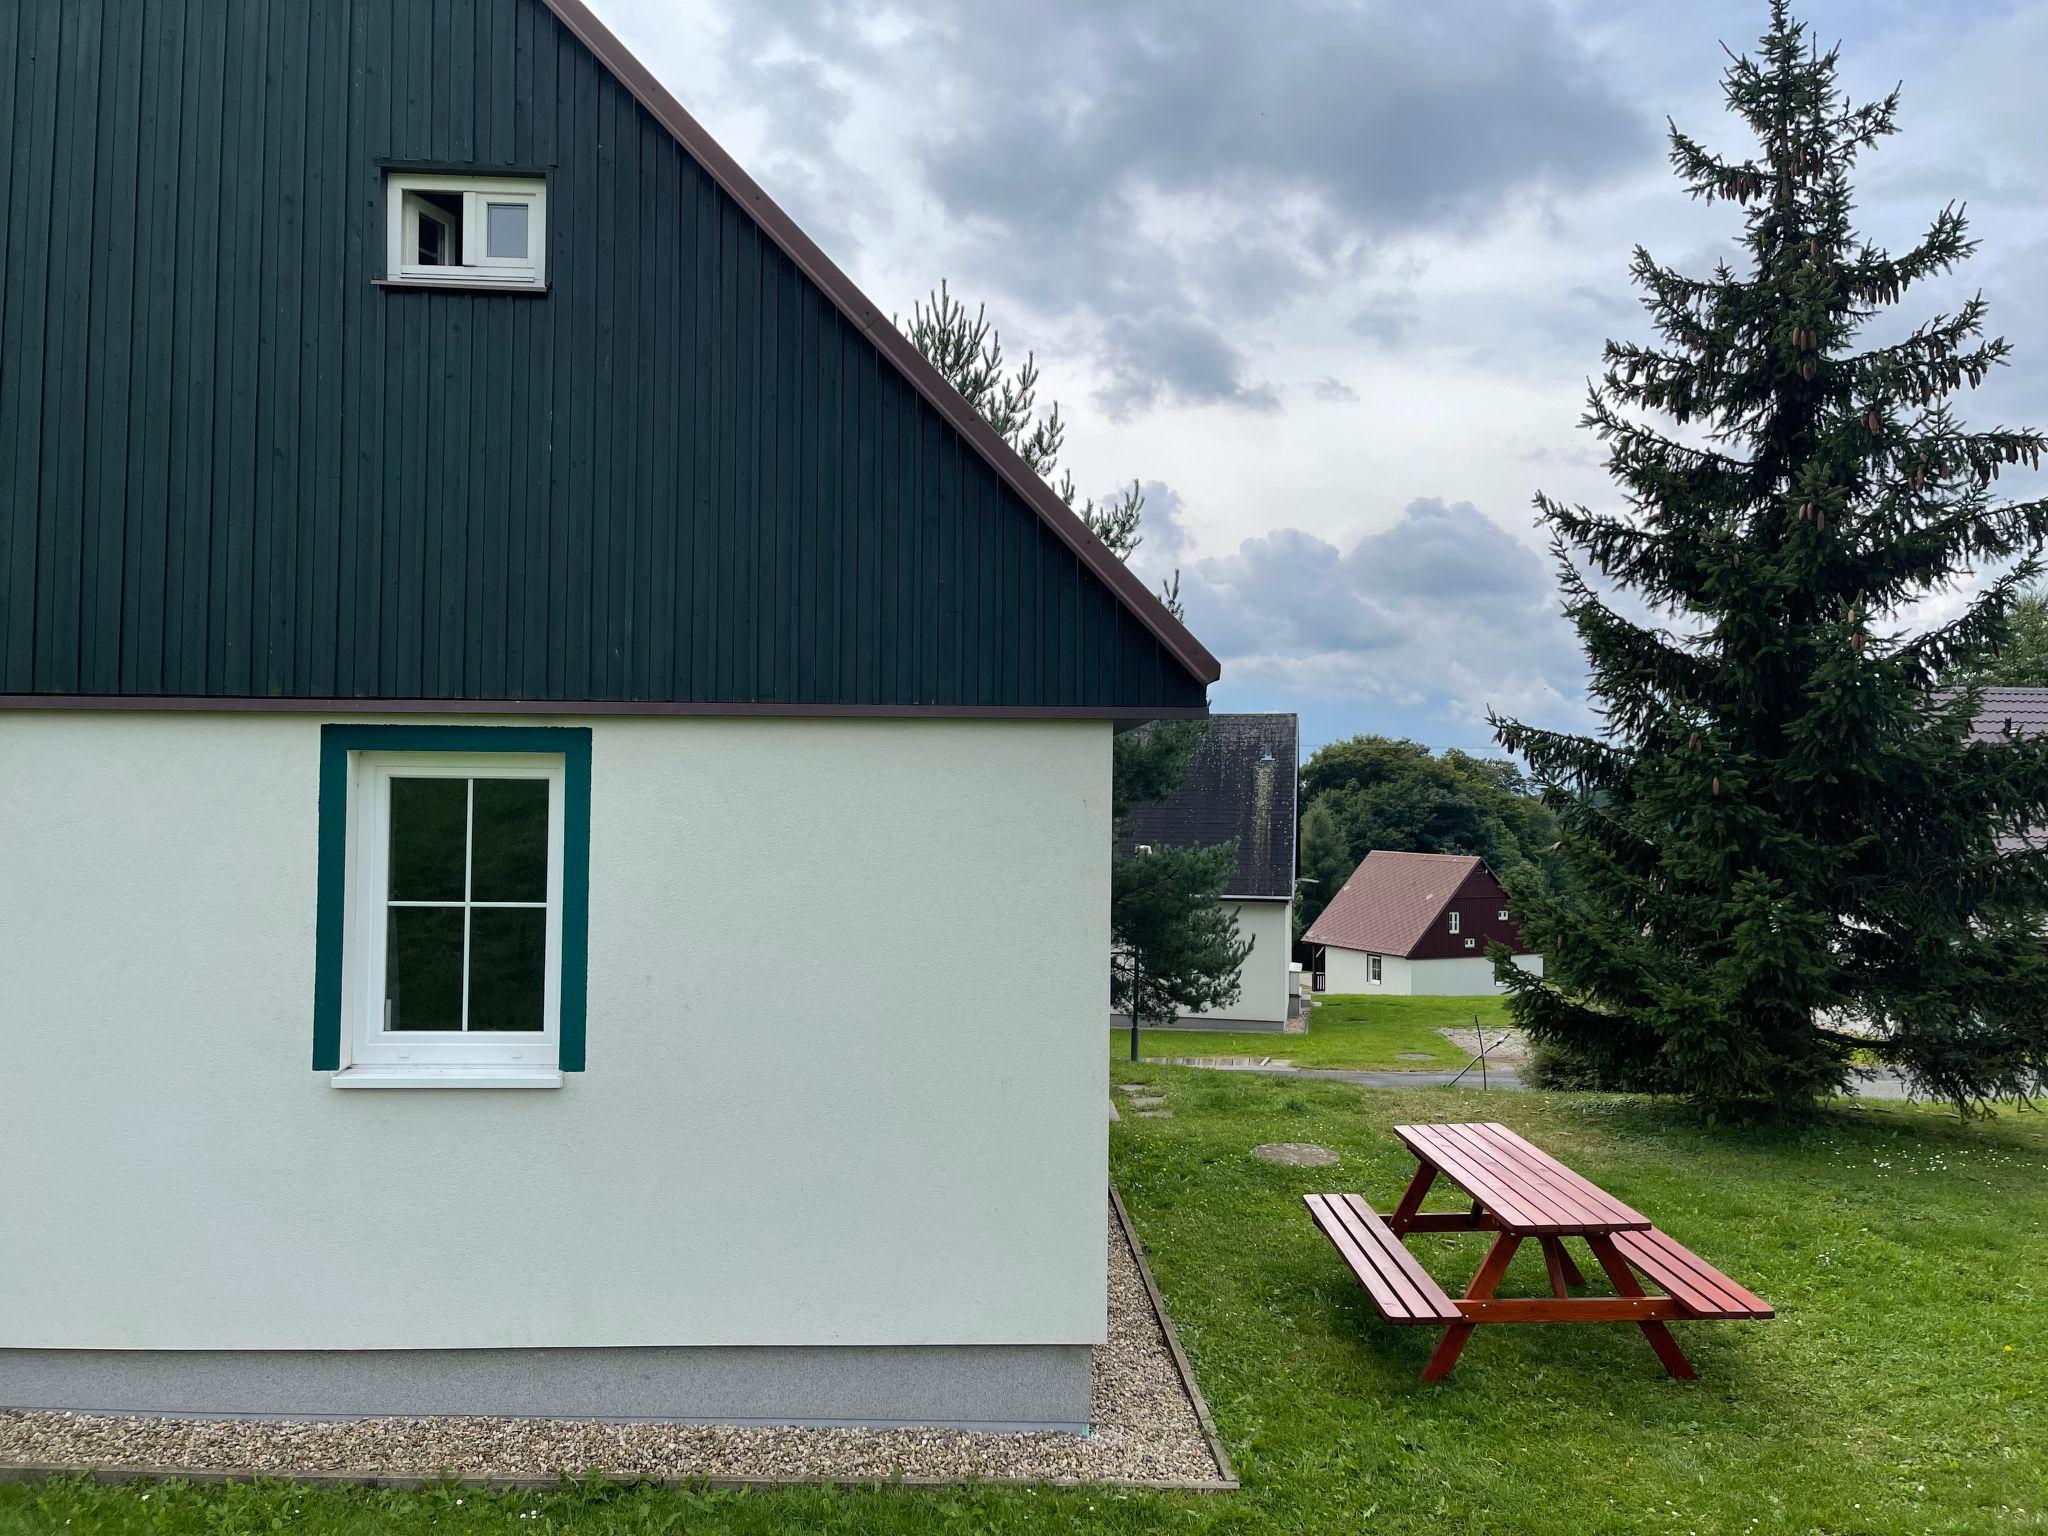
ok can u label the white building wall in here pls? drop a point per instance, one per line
(1262, 981)
(848, 1156)
(1349, 970)
(1345, 970)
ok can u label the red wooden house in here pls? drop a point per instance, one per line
(1414, 924)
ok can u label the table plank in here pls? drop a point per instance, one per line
(1525, 1188)
(1470, 1176)
(1540, 1194)
(1563, 1178)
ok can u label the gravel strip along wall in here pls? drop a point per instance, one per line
(1146, 1430)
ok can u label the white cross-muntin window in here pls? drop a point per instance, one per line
(456, 909)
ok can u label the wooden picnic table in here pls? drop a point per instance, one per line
(1519, 1191)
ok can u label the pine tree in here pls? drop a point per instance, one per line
(1177, 945)
(1784, 845)
(967, 350)
(2022, 657)
(1326, 863)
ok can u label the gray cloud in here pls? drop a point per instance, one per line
(1114, 162)
(1445, 611)
(1297, 136)
(1332, 389)
(1167, 356)
(1166, 537)
(1392, 114)
(1385, 320)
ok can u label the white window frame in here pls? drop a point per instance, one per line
(377, 1053)
(1502, 914)
(1372, 969)
(1454, 922)
(1471, 943)
(401, 253)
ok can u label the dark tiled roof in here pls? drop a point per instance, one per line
(1240, 783)
(1390, 900)
(2025, 708)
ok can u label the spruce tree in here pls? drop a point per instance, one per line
(1784, 844)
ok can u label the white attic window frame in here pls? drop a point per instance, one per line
(480, 199)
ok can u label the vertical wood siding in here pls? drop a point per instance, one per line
(232, 466)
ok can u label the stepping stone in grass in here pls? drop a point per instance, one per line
(1295, 1154)
(1413, 1056)
(1155, 1114)
(1151, 1103)
(1133, 1087)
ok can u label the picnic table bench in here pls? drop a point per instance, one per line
(1519, 1191)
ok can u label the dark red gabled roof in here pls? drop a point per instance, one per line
(1392, 899)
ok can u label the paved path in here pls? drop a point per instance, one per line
(1884, 1084)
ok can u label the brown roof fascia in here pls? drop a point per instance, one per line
(1143, 604)
(236, 704)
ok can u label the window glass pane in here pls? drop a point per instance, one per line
(507, 967)
(429, 820)
(505, 230)
(510, 860)
(423, 967)
(431, 253)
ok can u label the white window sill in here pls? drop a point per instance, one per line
(445, 1077)
(458, 285)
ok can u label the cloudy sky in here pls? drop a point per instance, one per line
(1330, 277)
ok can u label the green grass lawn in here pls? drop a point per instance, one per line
(1347, 1030)
(1902, 1388)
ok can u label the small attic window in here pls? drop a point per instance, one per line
(466, 231)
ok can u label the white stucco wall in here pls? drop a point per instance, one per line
(1262, 981)
(845, 1154)
(1349, 970)
(1346, 970)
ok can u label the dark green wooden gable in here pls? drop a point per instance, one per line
(233, 467)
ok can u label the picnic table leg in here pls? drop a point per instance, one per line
(1412, 1198)
(1564, 1274)
(1483, 1285)
(1626, 1284)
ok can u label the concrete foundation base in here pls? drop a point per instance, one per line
(990, 1387)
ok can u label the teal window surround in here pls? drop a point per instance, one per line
(336, 743)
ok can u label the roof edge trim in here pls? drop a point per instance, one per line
(1142, 603)
(293, 704)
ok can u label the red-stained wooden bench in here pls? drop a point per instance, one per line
(1519, 1191)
